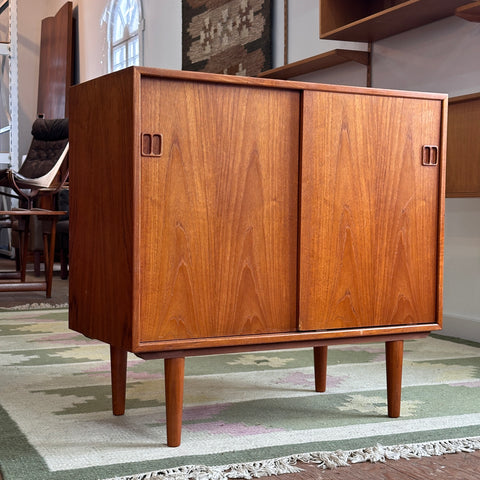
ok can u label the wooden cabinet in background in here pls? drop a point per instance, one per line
(463, 151)
(214, 214)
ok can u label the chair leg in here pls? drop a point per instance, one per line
(36, 262)
(49, 258)
(18, 255)
(63, 264)
(24, 250)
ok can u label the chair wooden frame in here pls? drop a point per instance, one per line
(22, 217)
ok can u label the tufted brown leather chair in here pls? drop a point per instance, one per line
(42, 167)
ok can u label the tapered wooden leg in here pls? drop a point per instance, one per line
(394, 354)
(50, 257)
(24, 248)
(174, 375)
(320, 367)
(118, 365)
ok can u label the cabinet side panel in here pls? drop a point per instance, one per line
(101, 208)
(369, 211)
(219, 210)
(463, 151)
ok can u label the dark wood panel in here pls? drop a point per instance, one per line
(372, 21)
(102, 208)
(218, 210)
(334, 14)
(470, 12)
(369, 212)
(312, 64)
(56, 63)
(463, 151)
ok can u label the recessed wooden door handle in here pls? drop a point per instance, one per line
(152, 144)
(430, 155)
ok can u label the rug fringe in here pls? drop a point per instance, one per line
(325, 460)
(37, 306)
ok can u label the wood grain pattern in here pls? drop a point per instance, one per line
(369, 212)
(463, 151)
(220, 210)
(203, 232)
(102, 204)
(56, 63)
(187, 236)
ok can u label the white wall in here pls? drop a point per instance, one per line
(162, 35)
(30, 13)
(462, 268)
(441, 57)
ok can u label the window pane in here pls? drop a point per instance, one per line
(126, 18)
(124, 31)
(119, 57)
(133, 19)
(133, 51)
(118, 27)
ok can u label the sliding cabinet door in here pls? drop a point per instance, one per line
(219, 196)
(370, 211)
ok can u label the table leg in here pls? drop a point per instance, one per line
(320, 355)
(23, 218)
(174, 377)
(46, 255)
(49, 253)
(24, 233)
(394, 354)
(118, 365)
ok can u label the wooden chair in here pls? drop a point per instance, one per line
(20, 220)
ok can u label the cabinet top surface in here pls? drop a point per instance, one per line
(139, 72)
(471, 97)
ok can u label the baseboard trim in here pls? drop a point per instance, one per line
(460, 326)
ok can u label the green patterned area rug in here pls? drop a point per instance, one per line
(239, 410)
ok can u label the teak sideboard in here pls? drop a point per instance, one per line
(214, 214)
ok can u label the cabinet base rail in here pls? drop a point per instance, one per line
(175, 373)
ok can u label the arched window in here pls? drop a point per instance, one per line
(125, 34)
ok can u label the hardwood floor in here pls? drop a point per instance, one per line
(12, 299)
(460, 466)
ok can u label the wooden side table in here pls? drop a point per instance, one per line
(49, 222)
